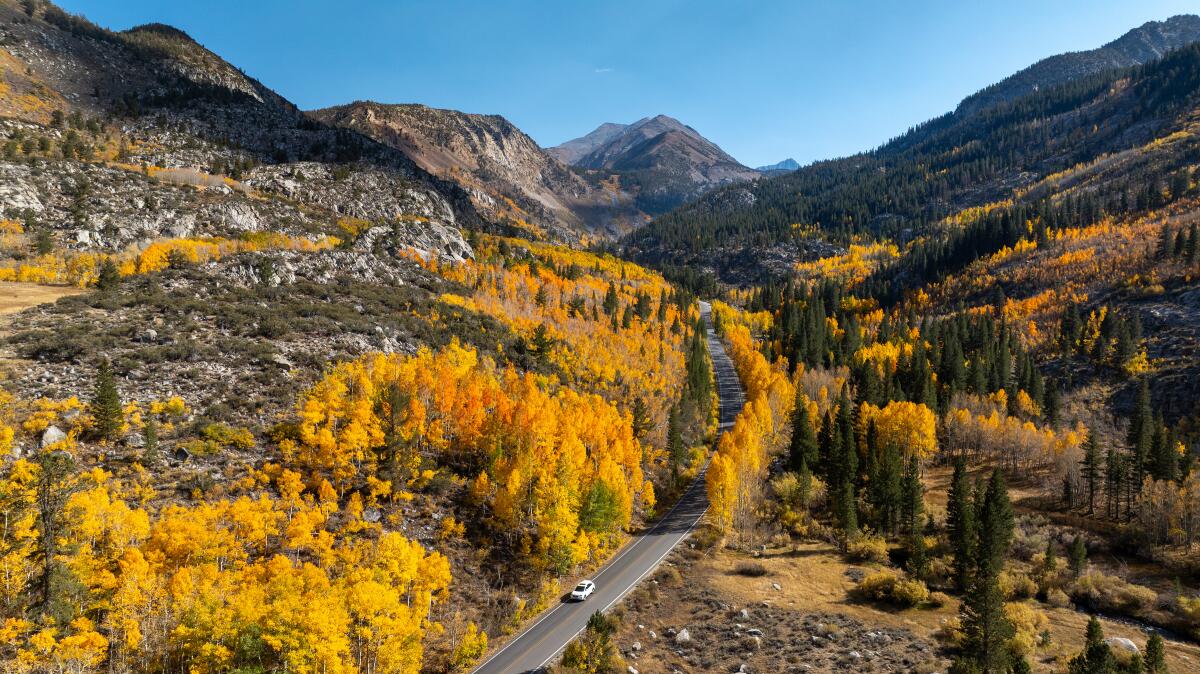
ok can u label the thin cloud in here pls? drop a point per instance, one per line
(601, 71)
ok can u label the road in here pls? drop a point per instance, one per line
(535, 647)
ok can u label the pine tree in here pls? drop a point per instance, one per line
(1164, 461)
(611, 300)
(699, 370)
(1156, 657)
(1114, 478)
(150, 437)
(961, 525)
(1051, 408)
(1141, 430)
(912, 510)
(109, 277)
(1090, 469)
(1096, 657)
(845, 467)
(985, 626)
(884, 490)
(1077, 556)
(803, 449)
(107, 416)
(825, 448)
(675, 443)
(1049, 560)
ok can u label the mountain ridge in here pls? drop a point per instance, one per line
(965, 159)
(1148, 42)
(507, 174)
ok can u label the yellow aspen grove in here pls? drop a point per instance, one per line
(909, 427)
(555, 452)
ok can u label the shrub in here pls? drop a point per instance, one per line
(939, 599)
(1189, 611)
(1109, 593)
(1029, 623)
(1016, 585)
(867, 548)
(886, 586)
(751, 569)
(472, 647)
(670, 577)
(1057, 598)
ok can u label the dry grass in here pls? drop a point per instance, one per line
(814, 578)
(16, 297)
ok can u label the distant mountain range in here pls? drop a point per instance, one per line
(662, 161)
(784, 166)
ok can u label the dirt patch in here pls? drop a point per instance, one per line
(16, 297)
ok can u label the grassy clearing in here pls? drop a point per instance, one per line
(16, 297)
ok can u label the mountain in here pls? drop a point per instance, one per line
(784, 166)
(659, 159)
(118, 107)
(572, 151)
(1139, 46)
(508, 176)
(1028, 151)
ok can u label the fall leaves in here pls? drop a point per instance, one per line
(213, 586)
(541, 452)
(83, 268)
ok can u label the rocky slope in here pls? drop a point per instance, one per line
(113, 139)
(660, 159)
(508, 176)
(1139, 46)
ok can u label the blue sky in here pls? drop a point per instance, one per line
(764, 79)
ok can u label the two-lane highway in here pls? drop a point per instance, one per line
(540, 643)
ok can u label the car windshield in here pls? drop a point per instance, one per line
(581, 587)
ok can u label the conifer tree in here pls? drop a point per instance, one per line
(961, 525)
(1096, 657)
(803, 448)
(1049, 560)
(699, 370)
(845, 467)
(150, 444)
(1141, 435)
(1090, 469)
(986, 628)
(1164, 460)
(1077, 556)
(912, 511)
(107, 417)
(1156, 656)
(884, 490)
(675, 443)
(109, 277)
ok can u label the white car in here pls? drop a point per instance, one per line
(583, 590)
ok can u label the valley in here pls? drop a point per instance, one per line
(368, 388)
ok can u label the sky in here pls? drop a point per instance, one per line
(764, 79)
